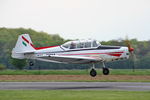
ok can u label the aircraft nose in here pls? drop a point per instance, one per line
(126, 52)
(131, 49)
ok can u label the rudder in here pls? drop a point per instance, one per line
(23, 45)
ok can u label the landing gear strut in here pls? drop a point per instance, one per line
(31, 63)
(93, 72)
(105, 70)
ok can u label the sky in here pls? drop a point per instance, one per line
(102, 20)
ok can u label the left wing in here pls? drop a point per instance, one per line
(71, 59)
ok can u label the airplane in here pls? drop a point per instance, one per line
(75, 52)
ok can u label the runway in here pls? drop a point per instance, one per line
(133, 86)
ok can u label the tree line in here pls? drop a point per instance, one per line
(8, 38)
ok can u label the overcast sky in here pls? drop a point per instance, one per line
(80, 19)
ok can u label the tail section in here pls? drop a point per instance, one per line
(24, 45)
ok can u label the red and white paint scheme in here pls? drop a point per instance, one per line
(78, 52)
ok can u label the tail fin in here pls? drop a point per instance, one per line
(23, 45)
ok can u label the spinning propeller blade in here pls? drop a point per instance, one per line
(131, 50)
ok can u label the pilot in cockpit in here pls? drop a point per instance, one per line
(72, 45)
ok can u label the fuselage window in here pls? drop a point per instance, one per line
(66, 45)
(87, 44)
(94, 44)
(80, 45)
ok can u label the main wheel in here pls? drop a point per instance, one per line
(105, 71)
(31, 63)
(93, 73)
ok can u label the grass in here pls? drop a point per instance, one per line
(74, 72)
(73, 95)
(43, 72)
(120, 75)
(130, 72)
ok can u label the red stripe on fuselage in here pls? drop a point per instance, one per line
(39, 48)
(118, 54)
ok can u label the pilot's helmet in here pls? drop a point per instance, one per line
(72, 45)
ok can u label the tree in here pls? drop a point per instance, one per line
(2, 67)
(19, 63)
(9, 36)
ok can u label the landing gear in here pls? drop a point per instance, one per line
(93, 72)
(31, 63)
(105, 70)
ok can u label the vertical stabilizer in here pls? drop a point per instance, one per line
(23, 45)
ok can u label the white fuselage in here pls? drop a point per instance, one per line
(103, 54)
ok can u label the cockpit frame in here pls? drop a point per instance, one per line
(80, 44)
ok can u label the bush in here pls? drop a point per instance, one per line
(2, 67)
(18, 63)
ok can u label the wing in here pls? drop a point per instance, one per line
(71, 59)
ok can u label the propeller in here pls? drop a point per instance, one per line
(131, 50)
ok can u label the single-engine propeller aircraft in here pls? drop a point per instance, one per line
(77, 52)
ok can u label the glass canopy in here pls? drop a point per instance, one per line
(81, 44)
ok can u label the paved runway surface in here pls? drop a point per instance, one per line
(75, 86)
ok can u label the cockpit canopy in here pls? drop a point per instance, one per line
(81, 44)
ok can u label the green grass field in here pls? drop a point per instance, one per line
(73, 95)
(74, 72)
